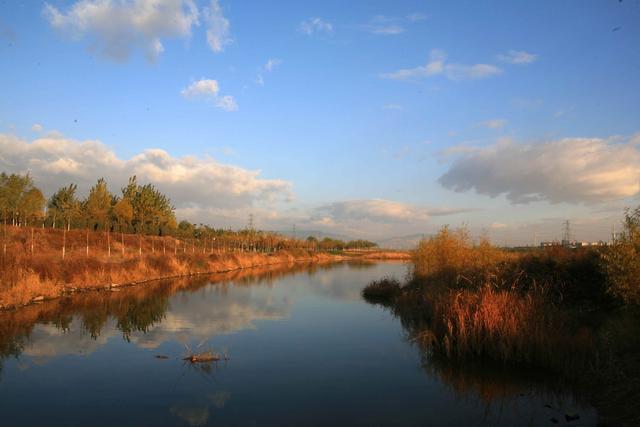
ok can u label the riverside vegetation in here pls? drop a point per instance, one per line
(107, 240)
(573, 312)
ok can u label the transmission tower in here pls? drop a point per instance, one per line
(251, 222)
(566, 234)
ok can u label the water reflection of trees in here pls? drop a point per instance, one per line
(134, 309)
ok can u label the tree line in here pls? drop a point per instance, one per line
(329, 244)
(139, 209)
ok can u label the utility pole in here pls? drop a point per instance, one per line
(251, 222)
(613, 233)
(294, 231)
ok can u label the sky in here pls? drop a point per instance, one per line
(363, 119)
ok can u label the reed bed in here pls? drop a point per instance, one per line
(553, 309)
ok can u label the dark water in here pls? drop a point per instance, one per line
(304, 349)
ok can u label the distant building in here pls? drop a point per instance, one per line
(571, 244)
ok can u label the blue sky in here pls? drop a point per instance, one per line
(353, 112)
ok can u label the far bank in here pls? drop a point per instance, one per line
(33, 268)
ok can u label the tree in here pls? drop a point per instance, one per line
(123, 212)
(361, 244)
(622, 261)
(32, 206)
(64, 205)
(98, 204)
(186, 229)
(152, 210)
(13, 189)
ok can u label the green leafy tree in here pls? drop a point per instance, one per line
(98, 205)
(361, 244)
(152, 210)
(123, 213)
(13, 189)
(64, 205)
(32, 206)
(186, 229)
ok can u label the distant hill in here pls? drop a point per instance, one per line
(397, 242)
(303, 234)
(401, 242)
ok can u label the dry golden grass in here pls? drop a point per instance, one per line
(386, 255)
(475, 301)
(509, 327)
(451, 258)
(42, 273)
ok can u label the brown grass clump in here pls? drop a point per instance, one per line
(451, 258)
(508, 327)
(383, 290)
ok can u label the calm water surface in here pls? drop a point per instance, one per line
(304, 349)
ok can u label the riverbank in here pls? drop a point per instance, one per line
(555, 310)
(45, 277)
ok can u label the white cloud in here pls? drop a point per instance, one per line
(389, 30)
(498, 225)
(218, 27)
(202, 87)
(315, 25)
(372, 218)
(272, 63)
(379, 210)
(37, 127)
(572, 170)
(518, 57)
(384, 25)
(494, 123)
(268, 67)
(227, 103)
(390, 25)
(47, 341)
(417, 17)
(115, 28)
(191, 182)
(209, 89)
(205, 315)
(437, 65)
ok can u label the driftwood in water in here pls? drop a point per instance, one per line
(205, 356)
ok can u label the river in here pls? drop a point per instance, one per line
(304, 349)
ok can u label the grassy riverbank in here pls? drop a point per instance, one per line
(33, 266)
(558, 309)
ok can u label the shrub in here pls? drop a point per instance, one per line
(451, 258)
(621, 261)
(382, 291)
